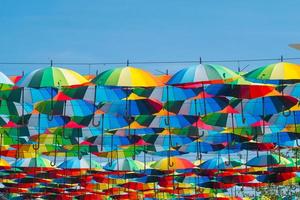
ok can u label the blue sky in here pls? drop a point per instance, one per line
(156, 30)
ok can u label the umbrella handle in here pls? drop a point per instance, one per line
(50, 117)
(93, 120)
(202, 134)
(286, 113)
(170, 164)
(37, 146)
(53, 163)
(227, 163)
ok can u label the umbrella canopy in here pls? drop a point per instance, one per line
(51, 77)
(126, 164)
(126, 77)
(203, 73)
(268, 105)
(132, 107)
(76, 107)
(176, 162)
(283, 72)
(39, 162)
(220, 163)
(197, 106)
(240, 88)
(75, 163)
(268, 160)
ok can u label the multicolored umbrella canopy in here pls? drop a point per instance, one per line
(203, 73)
(283, 71)
(176, 163)
(268, 160)
(126, 77)
(51, 77)
(126, 164)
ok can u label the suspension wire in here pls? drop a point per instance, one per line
(88, 64)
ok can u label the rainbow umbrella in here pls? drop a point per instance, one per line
(240, 88)
(276, 177)
(203, 73)
(268, 160)
(268, 105)
(75, 163)
(53, 77)
(229, 119)
(74, 107)
(37, 162)
(282, 72)
(126, 164)
(197, 106)
(132, 107)
(200, 146)
(103, 93)
(163, 140)
(160, 93)
(126, 77)
(175, 164)
(220, 163)
(175, 121)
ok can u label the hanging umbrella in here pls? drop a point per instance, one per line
(176, 121)
(197, 106)
(53, 77)
(240, 88)
(268, 105)
(282, 72)
(134, 107)
(220, 163)
(225, 119)
(174, 93)
(126, 164)
(203, 73)
(176, 163)
(268, 160)
(37, 163)
(72, 107)
(81, 164)
(163, 140)
(126, 77)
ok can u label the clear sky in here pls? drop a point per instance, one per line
(156, 30)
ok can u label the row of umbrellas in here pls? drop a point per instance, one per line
(204, 132)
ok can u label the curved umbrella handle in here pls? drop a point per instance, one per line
(242, 112)
(170, 164)
(37, 146)
(286, 113)
(53, 163)
(50, 117)
(199, 154)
